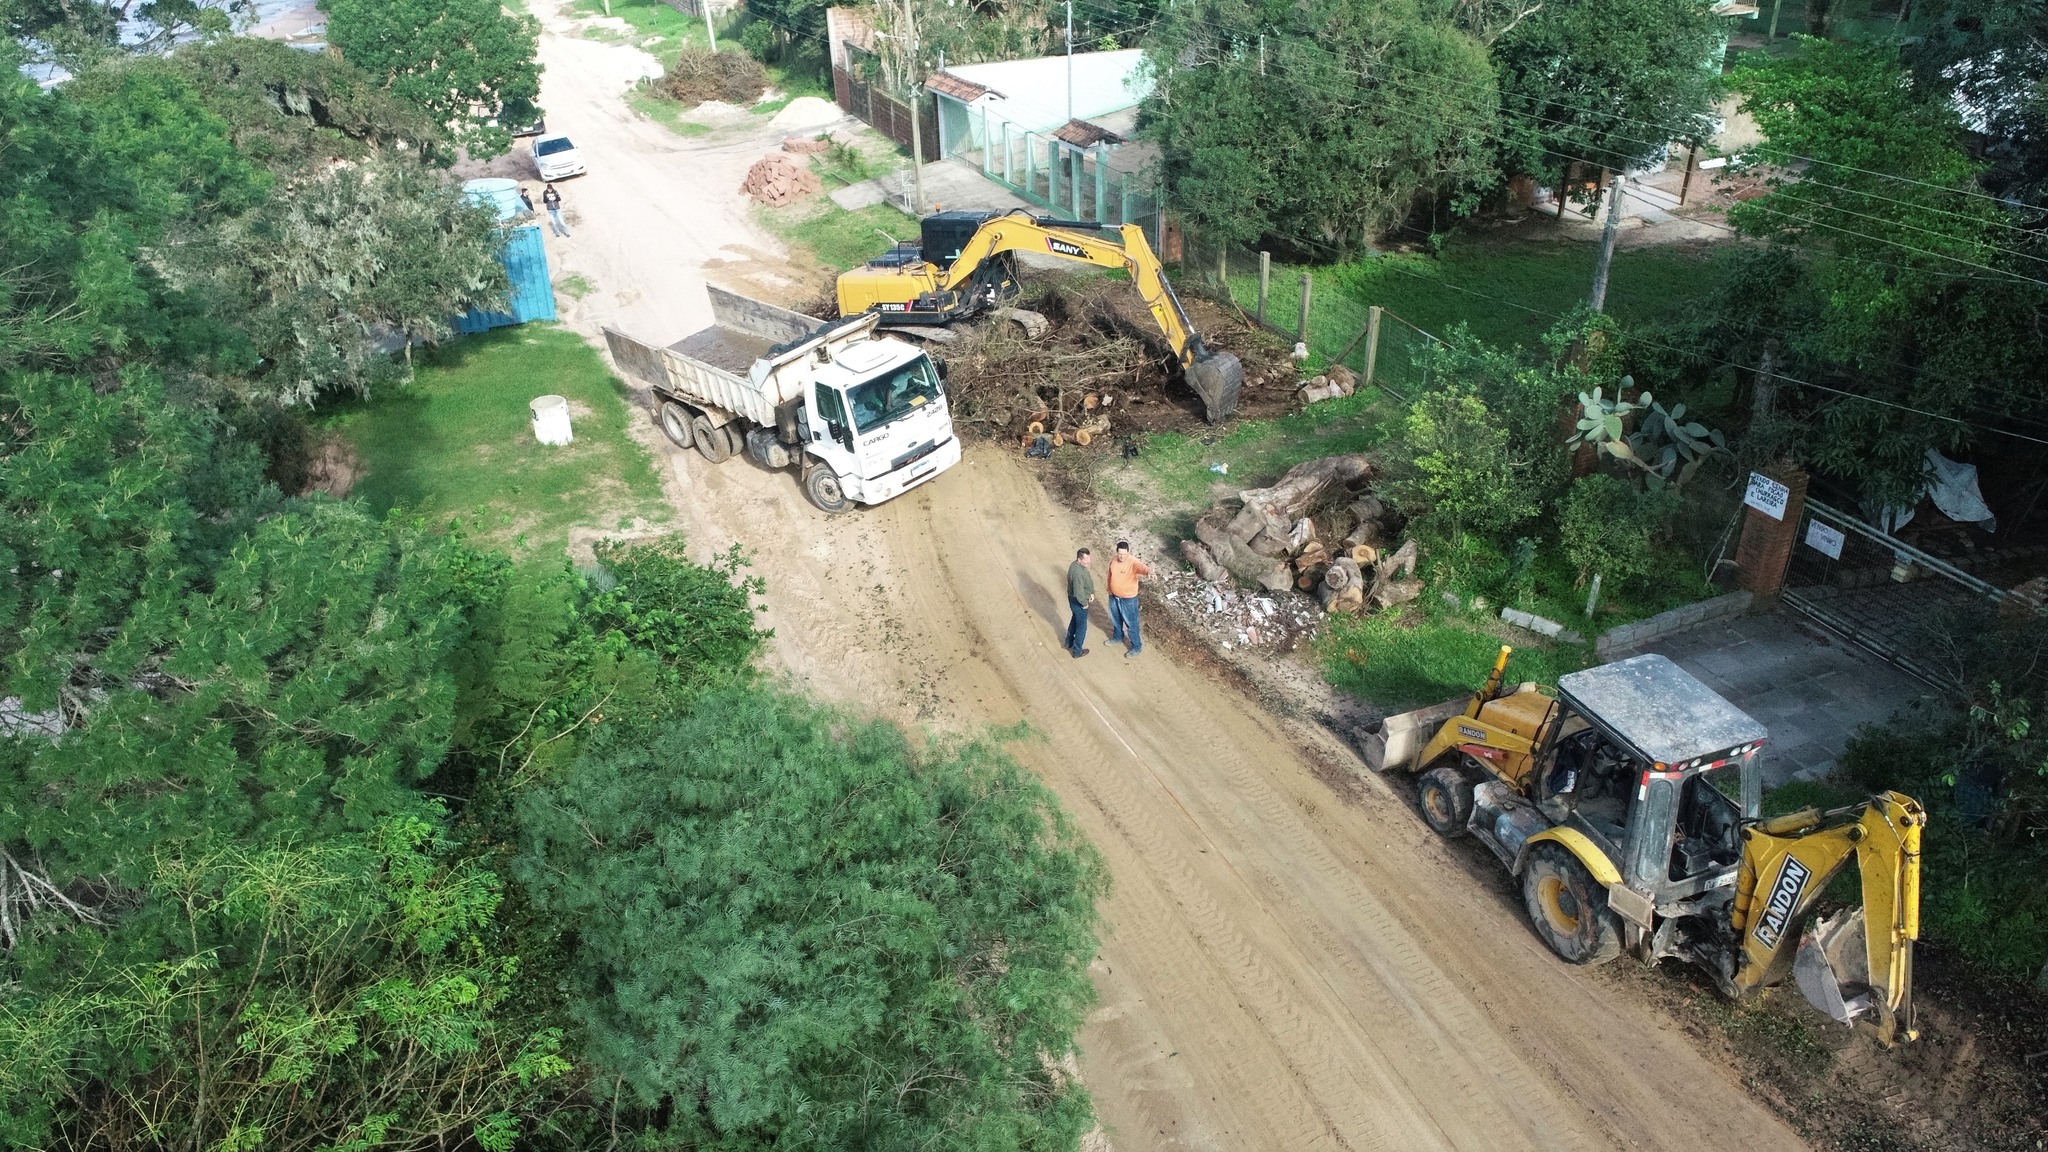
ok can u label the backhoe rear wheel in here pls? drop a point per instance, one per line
(1445, 797)
(1569, 908)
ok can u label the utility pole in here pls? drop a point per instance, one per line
(1614, 191)
(708, 29)
(1070, 59)
(916, 127)
(1776, 7)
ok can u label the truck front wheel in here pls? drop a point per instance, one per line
(675, 422)
(710, 441)
(823, 489)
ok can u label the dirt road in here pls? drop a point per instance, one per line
(1291, 961)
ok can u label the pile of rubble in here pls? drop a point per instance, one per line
(776, 180)
(807, 145)
(1236, 619)
(1319, 530)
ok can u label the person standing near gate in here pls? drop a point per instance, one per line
(553, 200)
(1124, 570)
(1080, 594)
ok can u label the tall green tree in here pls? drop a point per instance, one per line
(1605, 84)
(1319, 125)
(334, 993)
(469, 62)
(791, 928)
(1913, 285)
(1992, 57)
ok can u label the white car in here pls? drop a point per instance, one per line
(556, 157)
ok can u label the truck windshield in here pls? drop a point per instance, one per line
(894, 394)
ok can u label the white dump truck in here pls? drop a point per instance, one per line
(863, 416)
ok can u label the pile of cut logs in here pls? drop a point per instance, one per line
(1319, 530)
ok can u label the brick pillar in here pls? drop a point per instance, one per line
(1766, 546)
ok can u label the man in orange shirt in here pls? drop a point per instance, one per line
(1124, 571)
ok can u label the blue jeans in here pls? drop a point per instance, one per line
(1123, 621)
(1077, 628)
(555, 218)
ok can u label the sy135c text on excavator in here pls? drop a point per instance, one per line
(1628, 805)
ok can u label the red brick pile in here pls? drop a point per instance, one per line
(776, 180)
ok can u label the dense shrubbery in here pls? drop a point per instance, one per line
(267, 762)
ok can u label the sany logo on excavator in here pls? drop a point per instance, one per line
(1062, 248)
(1792, 878)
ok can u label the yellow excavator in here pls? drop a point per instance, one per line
(1628, 805)
(965, 264)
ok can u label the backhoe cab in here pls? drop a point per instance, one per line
(965, 264)
(1627, 804)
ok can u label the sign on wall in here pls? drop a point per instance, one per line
(1767, 496)
(1824, 540)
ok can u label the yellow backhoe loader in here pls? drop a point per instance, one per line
(1627, 804)
(966, 264)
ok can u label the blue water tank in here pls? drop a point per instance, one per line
(533, 291)
(498, 193)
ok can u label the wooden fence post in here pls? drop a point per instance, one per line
(1372, 342)
(1265, 279)
(1302, 326)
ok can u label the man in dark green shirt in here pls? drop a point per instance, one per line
(1080, 594)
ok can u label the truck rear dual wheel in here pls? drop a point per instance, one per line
(823, 490)
(1445, 797)
(1569, 907)
(675, 423)
(710, 440)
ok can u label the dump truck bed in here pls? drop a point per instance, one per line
(747, 363)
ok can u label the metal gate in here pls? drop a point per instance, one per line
(1878, 590)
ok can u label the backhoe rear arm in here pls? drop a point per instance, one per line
(1787, 862)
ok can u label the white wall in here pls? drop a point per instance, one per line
(1034, 92)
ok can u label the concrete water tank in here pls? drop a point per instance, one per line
(551, 420)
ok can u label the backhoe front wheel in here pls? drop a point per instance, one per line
(1445, 797)
(1569, 908)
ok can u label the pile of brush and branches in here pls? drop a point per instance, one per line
(700, 74)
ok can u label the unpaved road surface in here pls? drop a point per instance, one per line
(1290, 960)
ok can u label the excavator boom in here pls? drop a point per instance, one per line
(920, 291)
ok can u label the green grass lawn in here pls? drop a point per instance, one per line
(1397, 664)
(659, 29)
(1464, 283)
(456, 444)
(836, 238)
(1177, 465)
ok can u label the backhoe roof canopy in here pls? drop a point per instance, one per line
(1660, 709)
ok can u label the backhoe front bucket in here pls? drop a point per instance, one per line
(1216, 377)
(1397, 741)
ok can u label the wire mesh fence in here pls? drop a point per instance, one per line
(1312, 305)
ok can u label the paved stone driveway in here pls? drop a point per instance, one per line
(1811, 689)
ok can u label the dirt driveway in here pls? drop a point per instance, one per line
(1291, 960)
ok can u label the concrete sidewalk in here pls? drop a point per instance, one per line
(1812, 690)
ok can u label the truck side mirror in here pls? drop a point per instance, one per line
(940, 365)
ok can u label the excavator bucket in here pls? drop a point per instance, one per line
(1216, 377)
(1832, 967)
